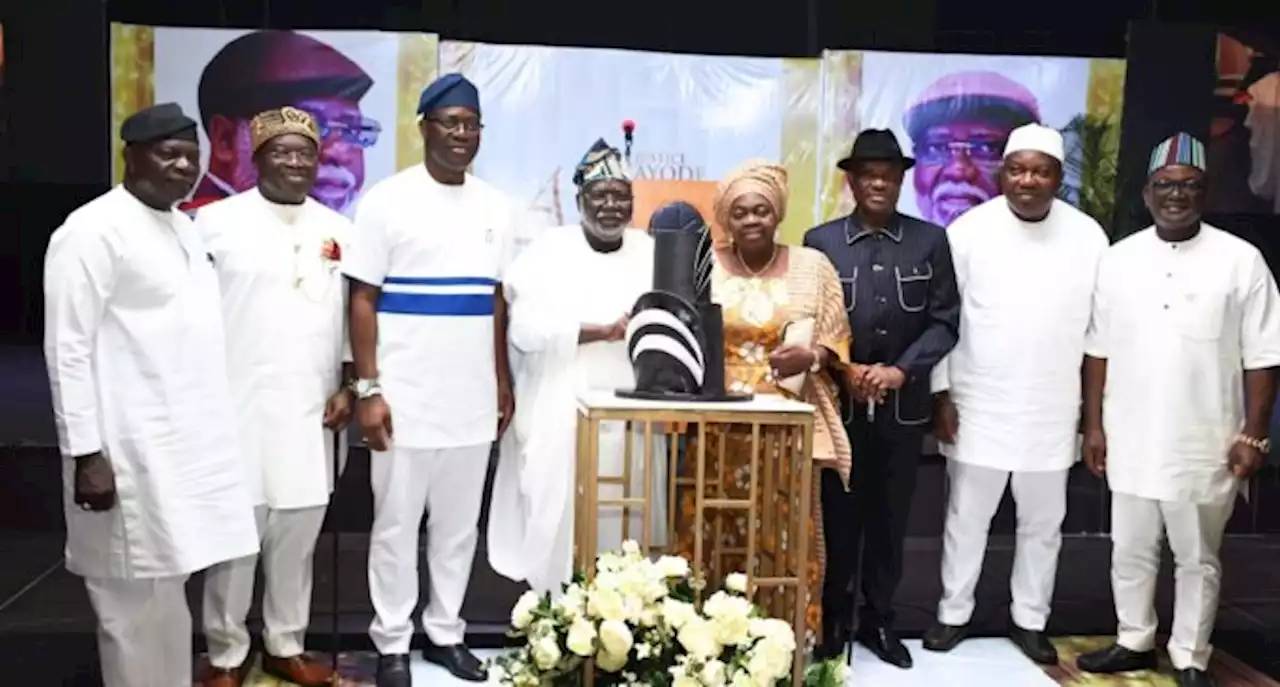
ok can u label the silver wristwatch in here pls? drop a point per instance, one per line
(366, 388)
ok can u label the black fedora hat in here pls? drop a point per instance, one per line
(875, 145)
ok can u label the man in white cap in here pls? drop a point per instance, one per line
(1008, 396)
(1179, 384)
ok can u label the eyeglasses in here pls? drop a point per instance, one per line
(942, 152)
(469, 126)
(356, 131)
(363, 132)
(1187, 186)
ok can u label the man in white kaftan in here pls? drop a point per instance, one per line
(277, 254)
(428, 337)
(1179, 388)
(1008, 395)
(152, 478)
(569, 294)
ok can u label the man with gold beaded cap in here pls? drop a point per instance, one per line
(277, 253)
(1179, 384)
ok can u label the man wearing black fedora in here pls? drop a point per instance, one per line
(904, 309)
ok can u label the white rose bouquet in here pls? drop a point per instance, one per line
(637, 619)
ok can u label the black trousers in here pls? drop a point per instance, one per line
(886, 458)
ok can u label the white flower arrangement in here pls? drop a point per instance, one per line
(637, 619)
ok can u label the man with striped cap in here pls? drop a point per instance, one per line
(569, 293)
(1185, 342)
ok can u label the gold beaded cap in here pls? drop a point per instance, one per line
(286, 120)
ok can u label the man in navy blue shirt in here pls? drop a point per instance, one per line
(904, 310)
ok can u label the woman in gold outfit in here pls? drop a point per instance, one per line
(762, 287)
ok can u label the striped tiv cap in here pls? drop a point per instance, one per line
(1179, 149)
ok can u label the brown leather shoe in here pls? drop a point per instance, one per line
(301, 670)
(222, 677)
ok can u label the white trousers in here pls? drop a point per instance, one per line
(448, 484)
(288, 549)
(975, 494)
(1194, 531)
(144, 631)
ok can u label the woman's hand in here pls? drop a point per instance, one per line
(789, 361)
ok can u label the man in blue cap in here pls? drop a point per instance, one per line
(1179, 383)
(428, 338)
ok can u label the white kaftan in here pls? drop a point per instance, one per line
(284, 309)
(558, 284)
(438, 253)
(1178, 324)
(134, 347)
(1026, 292)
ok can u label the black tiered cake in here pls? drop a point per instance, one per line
(676, 334)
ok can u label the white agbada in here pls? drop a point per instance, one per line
(1026, 291)
(134, 347)
(558, 284)
(1178, 323)
(284, 309)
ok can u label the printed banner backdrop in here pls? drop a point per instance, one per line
(696, 118)
(953, 113)
(1244, 134)
(362, 86)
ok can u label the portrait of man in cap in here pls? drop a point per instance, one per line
(958, 127)
(263, 70)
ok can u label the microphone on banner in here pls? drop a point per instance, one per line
(628, 137)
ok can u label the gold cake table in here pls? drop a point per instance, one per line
(768, 492)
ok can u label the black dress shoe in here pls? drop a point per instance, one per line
(393, 671)
(942, 637)
(884, 643)
(1193, 677)
(458, 660)
(1035, 645)
(1116, 659)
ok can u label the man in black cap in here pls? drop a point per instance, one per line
(904, 310)
(429, 341)
(146, 425)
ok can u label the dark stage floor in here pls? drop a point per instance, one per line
(46, 626)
